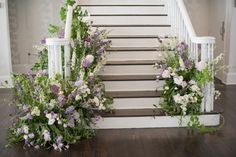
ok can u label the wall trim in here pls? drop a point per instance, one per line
(229, 78)
(8, 79)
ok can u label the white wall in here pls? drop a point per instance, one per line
(231, 73)
(5, 53)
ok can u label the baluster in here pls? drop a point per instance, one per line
(67, 61)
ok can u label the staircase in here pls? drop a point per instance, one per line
(129, 75)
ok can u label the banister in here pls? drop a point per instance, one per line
(186, 18)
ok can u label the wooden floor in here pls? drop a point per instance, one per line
(172, 142)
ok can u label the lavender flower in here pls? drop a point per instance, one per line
(62, 100)
(58, 145)
(70, 110)
(25, 108)
(61, 33)
(55, 89)
(79, 82)
(28, 116)
(88, 61)
(46, 135)
(43, 41)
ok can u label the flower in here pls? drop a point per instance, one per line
(25, 108)
(25, 129)
(70, 110)
(51, 118)
(55, 89)
(28, 116)
(35, 111)
(46, 135)
(31, 135)
(61, 99)
(166, 74)
(178, 80)
(88, 61)
(58, 145)
(201, 65)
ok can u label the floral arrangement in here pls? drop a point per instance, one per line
(184, 81)
(55, 113)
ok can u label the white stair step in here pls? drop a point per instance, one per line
(122, 2)
(129, 70)
(161, 31)
(129, 20)
(153, 122)
(135, 103)
(133, 85)
(125, 10)
(135, 42)
(151, 56)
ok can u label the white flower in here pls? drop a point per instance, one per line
(46, 135)
(184, 84)
(25, 129)
(31, 135)
(184, 108)
(178, 80)
(201, 65)
(78, 97)
(96, 101)
(177, 99)
(181, 63)
(192, 82)
(195, 88)
(167, 88)
(51, 118)
(25, 137)
(35, 111)
(166, 74)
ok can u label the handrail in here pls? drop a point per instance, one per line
(200, 48)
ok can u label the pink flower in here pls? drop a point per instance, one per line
(88, 61)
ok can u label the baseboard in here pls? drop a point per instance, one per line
(229, 78)
(3, 79)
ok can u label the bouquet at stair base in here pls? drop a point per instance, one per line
(184, 81)
(55, 113)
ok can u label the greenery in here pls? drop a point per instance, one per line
(57, 112)
(184, 81)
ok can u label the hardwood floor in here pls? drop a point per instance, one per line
(171, 142)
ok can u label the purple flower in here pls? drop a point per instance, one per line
(58, 145)
(25, 108)
(101, 50)
(188, 63)
(43, 41)
(71, 123)
(79, 82)
(70, 110)
(46, 135)
(28, 116)
(88, 61)
(61, 99)
(55, 89)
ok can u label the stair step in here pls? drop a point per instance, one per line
(131, 25)
(136, 36)
(131, 41)
(133, 113)
(122, 2)
(129, 72)
(161, 31)
(133, 89)
(125, 10)
(129, 20)
(118, 48)
(126, 14)
(154, 121)
(135, 103)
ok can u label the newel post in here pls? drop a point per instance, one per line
(59, 46)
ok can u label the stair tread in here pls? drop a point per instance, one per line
(131, 25)
(127, 14)
(131, 62)
(133, 113)
(137, 36)
(133, 48)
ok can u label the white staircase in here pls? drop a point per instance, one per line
(129, 76)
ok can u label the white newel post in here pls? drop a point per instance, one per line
(55, 53)
(5, 50)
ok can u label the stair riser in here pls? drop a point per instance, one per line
(135, 103)
(121, 2)
(153, 122)
(160, 31)
(153, 42)
(129, 20)
(125, 10)
(133, 85)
